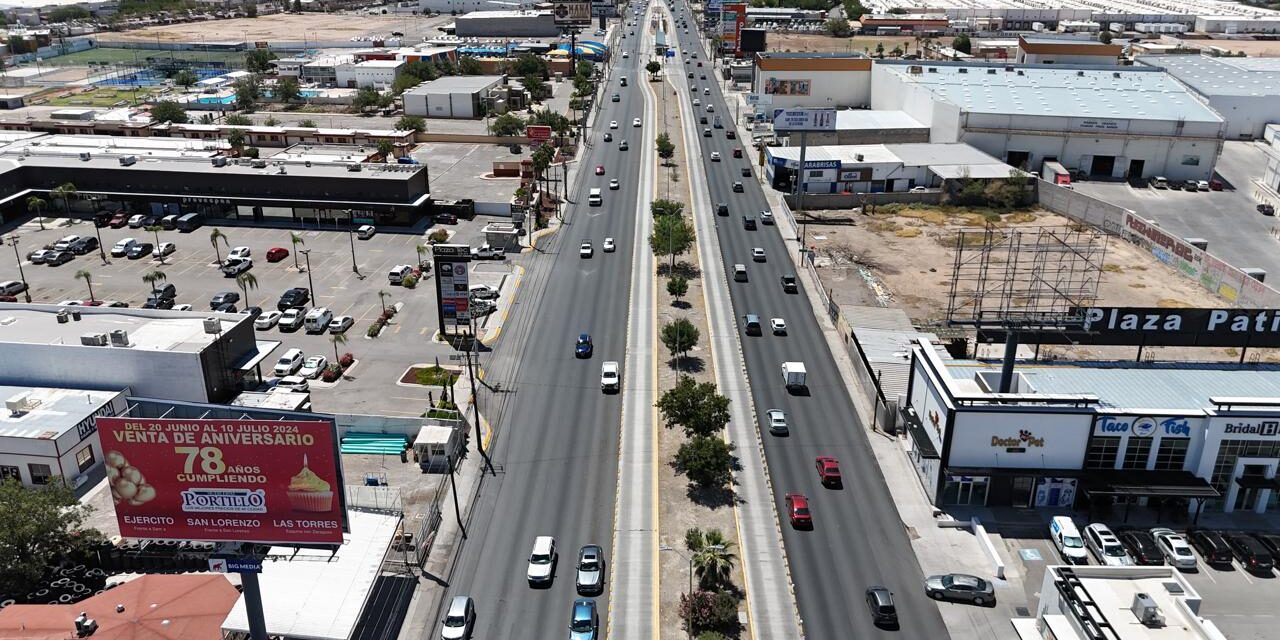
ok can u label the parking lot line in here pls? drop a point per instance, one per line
(1204, 571)
(1245, 574)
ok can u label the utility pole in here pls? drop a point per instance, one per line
(804, 138)
(453, 482)
(475, 401)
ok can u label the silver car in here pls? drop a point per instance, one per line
(960, 586)
(777, 422)
(590, 579)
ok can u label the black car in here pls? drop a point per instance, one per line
(224, 298)
(1271, 541)
(722, 209)
(1142, 547)
(880, 602)
(731, 134)
(102, 219)
(737, 187)
(295, 298)
(789, 284)
(702, 120)
(166, 290)
(1252, 554)
(746, 172)
(1211, 546)
(141, 250)
(748, 223)
(151, 221)
(617, 98)
(158, 303)
(253, 312)
(84, 245)
(225, 308)
(446, 218)
(59, 258)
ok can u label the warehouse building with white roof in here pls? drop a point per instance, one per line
(1244, 91)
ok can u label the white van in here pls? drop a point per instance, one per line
(1068, 540)
(594, 198)
(398, 273)
(289, 363)
(317, 320)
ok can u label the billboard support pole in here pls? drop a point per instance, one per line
(1010, 356)
(253, 606)
(475, 403)
(804, 139)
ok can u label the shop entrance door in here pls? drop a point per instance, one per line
(1023, 486)
(971, 491)
(1247, 497)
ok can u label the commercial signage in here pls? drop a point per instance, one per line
(778, 161)
(1143, 426)
(571, 13)
(1245, 427)
(235, 565)
(759, 99)
(267, 481)
(733, 17)
(1019, 439)
(538, 132)
(804, 119)
(604, 8)
(453, 285)
(1019, 443)
(856, 175)
(783, 87)
(1180, 327)
(713, 6)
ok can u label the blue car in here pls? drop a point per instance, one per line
(583, 624)
(583, 348)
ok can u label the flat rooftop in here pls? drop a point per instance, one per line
(455, 84)
(869, 120)
(74, 145)
(1066, 91)
(1113, 589)
(149, 329)
(1259, 77)
(953, 159)
(968, 8)
(53, 413)
(459, 171)
(1121, 385)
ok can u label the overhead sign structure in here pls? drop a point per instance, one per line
(453, 285)
(804, 120)
(572, 13)
(266, 481)
(1159, 327)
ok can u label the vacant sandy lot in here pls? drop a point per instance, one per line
(1261, 48)
(824, 43)
(311, 26)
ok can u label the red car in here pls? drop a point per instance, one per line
(828, 470)
(798, 511)
(276, 254)
(599, 169)
(119, 220)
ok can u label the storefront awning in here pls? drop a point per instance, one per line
(1257, 482)
(1140, 483)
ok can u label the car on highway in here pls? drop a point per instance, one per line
(1252, 554)
(737, 187)
(1105, 546)
(1211, 545)
(777, 420)
(610, 376)
(59, 258)
(313, 366)
(789, 284)
(239, 252)
(292, 319)
(140, 250)
(163, 249)
(276, 254)
(617, 98)
(366, 231)
(1141, 547)
(746, 172)
(703, 120)
(828, 471)
(732, 135)
(706, 91)
(706, 133)
(590, 575)
(583, 348)
(613, 124)
(960, 586)
(609, 246)
(880, 603)
(585, 250)
(542, 561)
(711, 108)
(599, 169)
(460, 620)
(608, 137)
(296, 297)
(121, 248)
(778, 326)
(798, 511)
(748, 223)
(614, 184)
(583, 622)
(635, 122)
(622, 146)
(715, 156)
(722, 209)
(266, 320)
(233, 267)
(697, 102)
(1174, 547)
(340, 324)
(737, 153)
(757, 254)
(766, 217)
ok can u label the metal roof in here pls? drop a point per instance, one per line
(455, 84)
(1222, 76)
(53, 413)
(864, 119)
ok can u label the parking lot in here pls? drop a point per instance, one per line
(369, 387)
(1228, 219)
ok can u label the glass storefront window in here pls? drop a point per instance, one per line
(1102, 453)
(1136, 454)
(1172, 454)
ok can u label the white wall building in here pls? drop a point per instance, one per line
(879, 168)
(1239, 24)
(819, 80)
(457, 7)
(1244, 91)
(1113, 122)
(450, 96)
(380, 74)
(1042, 49)
(48, 433)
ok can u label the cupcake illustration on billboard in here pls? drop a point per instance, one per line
(308, 492)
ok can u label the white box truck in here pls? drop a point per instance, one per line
(793, 375)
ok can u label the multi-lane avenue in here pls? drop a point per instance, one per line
(858, 539)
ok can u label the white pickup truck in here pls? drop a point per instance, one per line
(485, 252)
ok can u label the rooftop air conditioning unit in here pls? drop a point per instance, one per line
(212, 325)
(933, 69)
(93, 339)
(1080, 74)
(355, 166)
(258, 164)
(960, 70)
(85, 155)
(1020, 72)
(63, 316)
(1145, 609)
(1115, 74)
(128, 161)
(21, 403)
(119, 338)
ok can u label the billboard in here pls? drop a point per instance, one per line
(453, 285)
(572, 13)
(752, 41)
(267, 481)
(1160, 327)
(804, 119)
(538, 132)
(733, 17)
(780, 87)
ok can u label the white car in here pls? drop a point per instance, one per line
(610, 376)
(697, 102)
(239, 252)
(635, 122)
(1202, 185)
(613, 124)
(121, 248)
(366, 231)
(340, 324)
(585, 251)
(715, 156)
(236, 266)
(766, 217)
(64, 243)
(777, 422)
(614, 184)
(292, 318)
(267, 320)
(778, 326)
(312, 367)
(484, 292)
(163, 249)
(757, 254)
(626, 55)
(70, 303)
(183, 307)
(609, 245)
(1174, 547)
(711, 108)
(706, 91)
(135, 220)
(293, 383)
(1106, 546)
(542, 560)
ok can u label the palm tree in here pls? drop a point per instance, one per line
(214, 237)
(382, 297)
(155, 229)
(296, 240)
(65, 191)
(337, 339)
(84, 274)
(152, 278)
(37, 203)
(246, 281)
(421, 249)
(713, 556)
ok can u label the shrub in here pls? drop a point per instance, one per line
(436, 376)
(409, 282)
(346, 360)
(386, 315)
(712, 635)
(375, 328)
(331, 373)
(438, 236)
(708, 610)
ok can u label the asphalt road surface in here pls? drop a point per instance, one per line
(556, 448)
(858, 540)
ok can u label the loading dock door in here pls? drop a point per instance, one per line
(1135, 169)
(1103, 166)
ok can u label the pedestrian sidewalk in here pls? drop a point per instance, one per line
(938, 549)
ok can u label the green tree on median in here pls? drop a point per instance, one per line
(707, 461)
(679, 336)
(672, 236)
(695, 406)
(666, 150)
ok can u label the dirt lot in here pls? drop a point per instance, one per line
(905, 257)
(1261, 48)
(824, 43)
(312, 26)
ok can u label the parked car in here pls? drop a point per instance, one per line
(163, 249)
(1271, 541)
(118, 220)
(293, 383)
(484, 292)
(590, 575)
(267, 320)
(136, 220)
(313, 366)
(239, 252)
(276, 254)
(226, 308)
(340, 324)
(1211, 546)
(1142, 547)
(289, 363)
(12, 287)
(296, 297)
(161, 303)
(121, 248)
(233, 267)
(366, 231)
(1105, 546)
(59, 258)
(102, 219)
(1174, 547)
(141, 250)
(292, 318)
(960, 586)
(226, 297)
(84, 245)
(1252, 554)
(40, 255)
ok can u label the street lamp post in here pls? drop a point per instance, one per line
(101, 251)
(26, 289)
(688, 623)
(351, 235)
(311, 287)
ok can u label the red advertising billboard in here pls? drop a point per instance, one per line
(733, 17)
(538, 132)
(269, 481)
